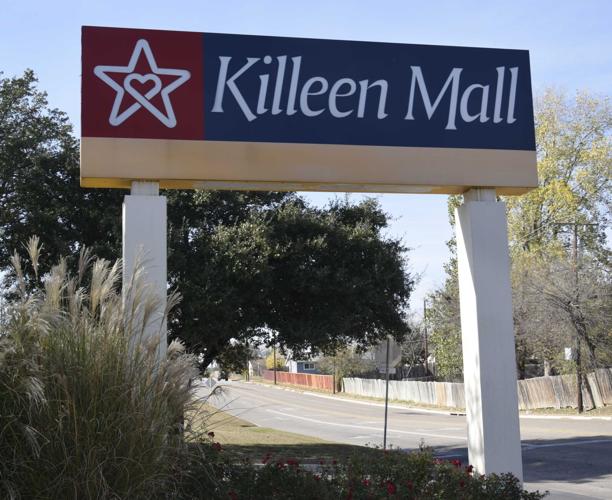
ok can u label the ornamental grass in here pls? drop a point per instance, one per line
(87, 409)
(90, 410)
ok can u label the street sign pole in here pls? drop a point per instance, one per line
(386, 396)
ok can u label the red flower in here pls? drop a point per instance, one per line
(317, 477)
(391, 488)
(410, 485)
(462, 483)
(211, 435)
(456, 463)
(334, 462)
(217, 446)
(292, 462)
(469, 469)
(366, 482)
(266, 458)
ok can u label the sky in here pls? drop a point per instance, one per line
(570, 44)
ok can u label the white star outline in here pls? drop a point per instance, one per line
(116, 119)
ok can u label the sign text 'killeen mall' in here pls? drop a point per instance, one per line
(258, 112)
(346, 96)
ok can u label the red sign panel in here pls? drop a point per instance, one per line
(142, 84)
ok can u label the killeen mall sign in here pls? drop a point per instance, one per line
(204, 110)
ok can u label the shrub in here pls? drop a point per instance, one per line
(395, 474)
(87, 409)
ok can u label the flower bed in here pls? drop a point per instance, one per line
(395, 474)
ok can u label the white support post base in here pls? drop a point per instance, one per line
(489, 366)
(144, 239)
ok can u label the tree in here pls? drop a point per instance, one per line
(443, 316)
(318, 278)
(234, 358)
(245, 263)
(574, 150)
(280, 362)
(39, 182)
(347, 362)
(574, 167)
(581, 299)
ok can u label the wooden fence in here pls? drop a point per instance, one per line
(533, 393)
(324, 382)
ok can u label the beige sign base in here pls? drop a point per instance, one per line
(115, 163)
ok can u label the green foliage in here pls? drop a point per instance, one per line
(574, 148)
(39, 181)
(394, 474)
(234, 358)
(318, 278)
(243, 261)
(551, 307)
(87, 409)
(443, 323)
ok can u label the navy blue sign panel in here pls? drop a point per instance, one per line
(294, 90)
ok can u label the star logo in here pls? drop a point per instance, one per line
(133, 83)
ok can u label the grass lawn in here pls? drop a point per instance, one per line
(247, 440)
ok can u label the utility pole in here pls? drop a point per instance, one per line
(334, 375)
(577, 356)
(247, 362)
(274, 367)
(425, 335)
(386, 394)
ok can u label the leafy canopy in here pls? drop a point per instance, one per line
(246, 263)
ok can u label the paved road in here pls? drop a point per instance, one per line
(569, 457)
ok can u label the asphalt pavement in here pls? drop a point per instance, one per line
(569, 456)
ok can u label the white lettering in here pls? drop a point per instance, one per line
(453, 79)
(484, 99)
(278, 87)
(334, 93)
(512, 100)
(499, 92)
(223, 81)
(306, 93)
(382, 101)
(295, 75)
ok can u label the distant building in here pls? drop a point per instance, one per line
(301, 366)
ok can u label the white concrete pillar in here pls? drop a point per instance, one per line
(489, 366)
(144, 239)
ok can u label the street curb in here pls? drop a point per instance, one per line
(421, 410)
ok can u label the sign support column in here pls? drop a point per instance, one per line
(489, 364)
(144, 244)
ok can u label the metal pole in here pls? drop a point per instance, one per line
(386, 397)
(274, 367)
(579, 401)
(334, 379)
(247, 362)
(425, 335)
